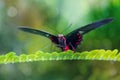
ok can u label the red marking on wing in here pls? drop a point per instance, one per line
(54, 39)
(79, 39)
(51, 38)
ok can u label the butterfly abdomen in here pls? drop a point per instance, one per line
(66, 48)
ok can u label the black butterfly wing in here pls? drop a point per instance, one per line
(75, 36)
(91, 26)
(42, 33)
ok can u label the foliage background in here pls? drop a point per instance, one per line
(55, 16)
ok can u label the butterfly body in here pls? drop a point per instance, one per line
(72, 39)
(65, 43)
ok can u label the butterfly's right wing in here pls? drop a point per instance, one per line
(87, 28)
(42, 33)
(75, 37)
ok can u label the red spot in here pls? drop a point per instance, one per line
(51, 38)
(66, 48)
(77, 42)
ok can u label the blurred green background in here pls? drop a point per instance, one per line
(54, 16)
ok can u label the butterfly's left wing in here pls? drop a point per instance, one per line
(53, 38)
(75, 37)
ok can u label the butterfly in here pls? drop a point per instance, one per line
(72, 39)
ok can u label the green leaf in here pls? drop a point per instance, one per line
(107, 55)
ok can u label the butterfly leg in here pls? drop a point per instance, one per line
(71, 46)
